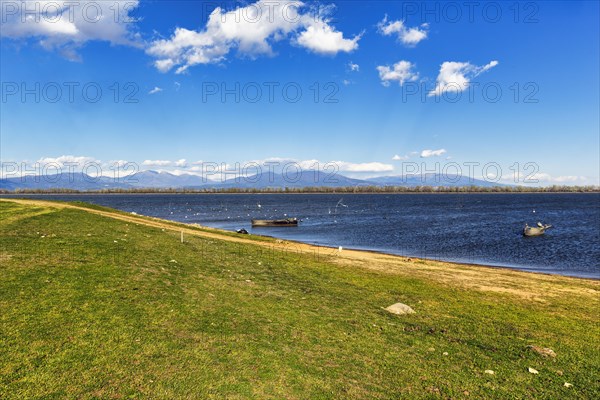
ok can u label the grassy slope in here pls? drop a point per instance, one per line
(98, 308)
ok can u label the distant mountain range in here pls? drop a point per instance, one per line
(292, 180)
(165, 180)
(431, 180)
(74, 181)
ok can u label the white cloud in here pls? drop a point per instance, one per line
(398, 157)
(250, 30)
(155, 90)
(313, 164)
(402, 72)
(408, 36)
(432, 153)
(77, 161)
(181, 163)
(544, 179)
(65, 26)
(456, 76)
(568, 178)
(363, 167)
(67, 164)
(322, 38)
(157, 163)
(353, 67)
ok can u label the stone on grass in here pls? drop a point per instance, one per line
(567, 384)
(533, 371)
(400, 309)
(543, 351)
(489, 371)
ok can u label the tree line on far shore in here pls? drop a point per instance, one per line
(323, 189)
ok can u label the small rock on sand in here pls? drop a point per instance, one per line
(400, 309)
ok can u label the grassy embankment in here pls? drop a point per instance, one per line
(101, 304)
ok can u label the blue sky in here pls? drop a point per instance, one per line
(424, 86)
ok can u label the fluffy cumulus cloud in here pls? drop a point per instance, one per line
(401, 72)
(65, 26)
(320, 37)
(65, 161)
(398, 157)
(406, 35)
(456, 76)
(432, 153)
(251, 31)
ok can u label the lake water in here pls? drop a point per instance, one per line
(470, 228)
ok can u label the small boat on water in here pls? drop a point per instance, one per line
(538, 230)
(275, 222)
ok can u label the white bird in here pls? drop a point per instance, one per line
(339, 203)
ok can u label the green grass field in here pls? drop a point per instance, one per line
(95, 307)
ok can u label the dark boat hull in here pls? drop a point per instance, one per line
(275, 222)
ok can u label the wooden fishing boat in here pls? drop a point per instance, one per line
(275, 222)
(538, 230)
